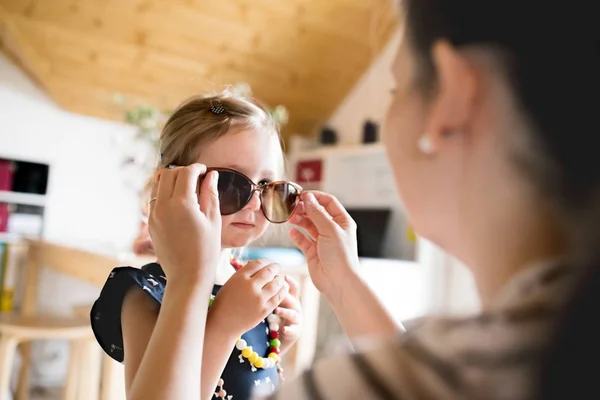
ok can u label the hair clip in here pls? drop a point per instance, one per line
(216, 107)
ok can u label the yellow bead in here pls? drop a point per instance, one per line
(253, 357)
(259, 363)
(274, 357)
(247, 352)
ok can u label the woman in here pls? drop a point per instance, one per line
(489, 139)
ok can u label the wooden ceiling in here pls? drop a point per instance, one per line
(304, 54)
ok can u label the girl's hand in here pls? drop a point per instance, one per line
(248, 297)
(331, 251)
(290, 311)
(142, 246)
(186, 227)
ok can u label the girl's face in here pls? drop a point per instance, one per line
(257, 155)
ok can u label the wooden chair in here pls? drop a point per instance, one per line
(19, 329)
(113, 374)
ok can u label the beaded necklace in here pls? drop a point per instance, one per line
(247, 353)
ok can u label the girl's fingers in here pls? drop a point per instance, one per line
(274, 286)
(187, 180)
(290, 315)
(278, 297)
(294, 286)
(166, 182)
(265, 275)
(291, 330)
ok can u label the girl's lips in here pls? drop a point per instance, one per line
(243, 225)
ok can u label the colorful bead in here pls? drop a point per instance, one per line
(247, 352)
(269, 363)
(253, 357)
(222, 393)
(221, 382)
(255, 360)
(260, 363)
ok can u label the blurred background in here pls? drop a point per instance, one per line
(84, 88)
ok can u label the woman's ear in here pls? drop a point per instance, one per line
(453, 104)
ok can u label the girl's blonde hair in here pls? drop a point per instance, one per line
(203, 119)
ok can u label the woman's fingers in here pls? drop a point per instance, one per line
(319, 216)
(333, 208)
(305, 223)
(301, 241)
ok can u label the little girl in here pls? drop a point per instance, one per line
(246, 332)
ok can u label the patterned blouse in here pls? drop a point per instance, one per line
(240, 379)
(492, 356)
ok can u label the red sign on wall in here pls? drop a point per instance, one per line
(309, 172)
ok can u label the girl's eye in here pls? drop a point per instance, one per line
(264, 182)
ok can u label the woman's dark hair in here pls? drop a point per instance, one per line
(548, 50)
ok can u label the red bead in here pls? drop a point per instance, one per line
(236, 264)
(273, 335)
(274, 350)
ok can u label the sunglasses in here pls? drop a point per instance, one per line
(278, 200)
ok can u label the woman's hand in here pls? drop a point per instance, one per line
(186, 227)
(290, 311)
(331, 251)
(248, 297)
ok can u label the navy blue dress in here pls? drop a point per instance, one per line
(240, 382)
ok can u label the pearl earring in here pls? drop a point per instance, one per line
(425, 144)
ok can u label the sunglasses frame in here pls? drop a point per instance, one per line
(258, 188)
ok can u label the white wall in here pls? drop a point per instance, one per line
(369, 99)
(88, 204)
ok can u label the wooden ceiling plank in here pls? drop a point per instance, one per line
(167, 44)
(86, 19)
(19, 45)
(77, 47)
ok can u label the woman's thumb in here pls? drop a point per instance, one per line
(209, 195)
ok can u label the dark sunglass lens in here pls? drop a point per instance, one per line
(279, 201)
(234, 192)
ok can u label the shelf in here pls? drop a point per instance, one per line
(6, 237)
(27, 199)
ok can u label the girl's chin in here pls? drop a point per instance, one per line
(235, 242)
